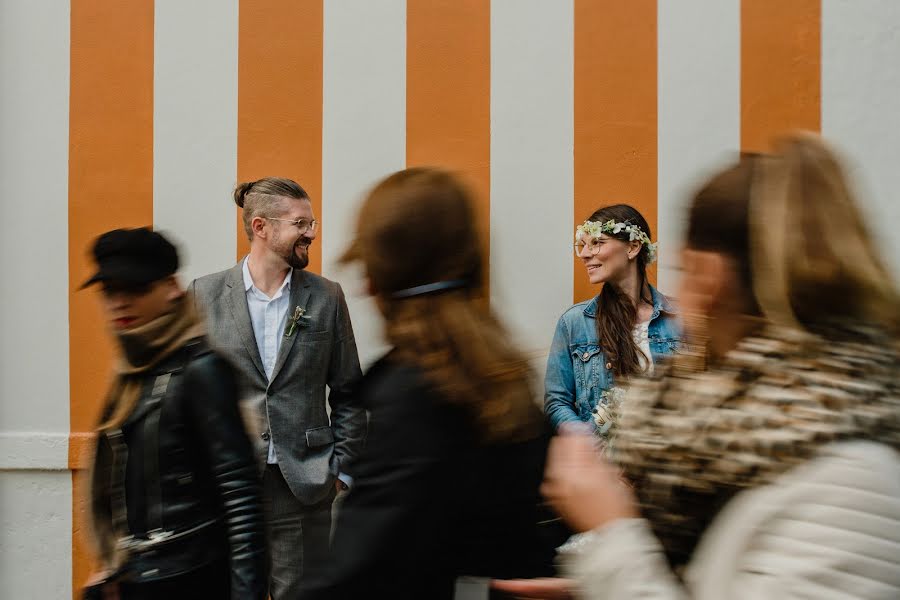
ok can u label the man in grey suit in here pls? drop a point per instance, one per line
(288, 333)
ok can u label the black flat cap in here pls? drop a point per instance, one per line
(133, 257)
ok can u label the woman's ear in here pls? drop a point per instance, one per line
(634, 248)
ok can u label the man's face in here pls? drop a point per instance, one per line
(288, 240)
(130, 306)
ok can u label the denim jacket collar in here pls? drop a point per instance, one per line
(660, 304)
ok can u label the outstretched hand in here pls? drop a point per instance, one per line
(584, 489)
(546, 588)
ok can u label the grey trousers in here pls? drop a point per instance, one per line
(298, 535)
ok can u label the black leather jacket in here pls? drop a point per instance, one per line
(190, 487)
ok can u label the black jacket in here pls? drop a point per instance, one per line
(190, 479)
(430, 503)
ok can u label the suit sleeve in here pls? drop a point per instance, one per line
(348, 419)
(192, 295)
(392, 505)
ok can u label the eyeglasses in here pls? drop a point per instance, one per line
(303, 225)
(594, 246)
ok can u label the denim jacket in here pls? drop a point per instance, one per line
(577, 370)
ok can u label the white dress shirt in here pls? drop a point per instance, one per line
(268, 317)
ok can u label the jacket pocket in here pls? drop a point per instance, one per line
(314, 336)
(320, 436)
(587, 360)
(661, 348)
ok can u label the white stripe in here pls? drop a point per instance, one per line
(699, 108)
(195, 130)
(35, 506)
(532, 173)
(34, 450)
(34, 157)
(36, 520)
(363, 134)
(860, 100)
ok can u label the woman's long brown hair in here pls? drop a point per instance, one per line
(418, 227)
(616, 313)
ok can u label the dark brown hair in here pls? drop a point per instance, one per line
(616, 313)
(418, 227)
(264, 197)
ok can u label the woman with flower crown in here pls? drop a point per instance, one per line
(621, 332)
(763, 462)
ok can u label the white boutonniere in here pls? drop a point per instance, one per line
(296, 319)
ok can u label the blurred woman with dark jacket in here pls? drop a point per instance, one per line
(448, 483)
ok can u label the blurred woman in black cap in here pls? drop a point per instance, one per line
(175, 501)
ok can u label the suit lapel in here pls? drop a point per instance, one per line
(240, 313)
(299, 297)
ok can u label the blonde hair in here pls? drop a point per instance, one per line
(791, 223)
(418, 227)
(264, 197)
(813, 258)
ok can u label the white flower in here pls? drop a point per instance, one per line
(607, 410)
(295, 320)
(635, 233)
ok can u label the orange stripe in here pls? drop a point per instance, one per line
(615, 113)
(280, 99)
(110, 186)
(781, 59)
(448, 95)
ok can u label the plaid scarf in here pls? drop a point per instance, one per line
(689, 441)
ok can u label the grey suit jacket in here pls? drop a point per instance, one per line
(291, 407)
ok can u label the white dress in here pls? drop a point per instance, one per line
(641, 335)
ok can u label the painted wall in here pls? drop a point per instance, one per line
(123, 113)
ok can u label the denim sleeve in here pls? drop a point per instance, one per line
(559, 381)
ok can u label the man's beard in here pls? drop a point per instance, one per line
(296, 261)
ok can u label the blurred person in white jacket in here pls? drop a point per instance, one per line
(764, 461)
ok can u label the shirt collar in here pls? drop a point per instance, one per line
(248, 279)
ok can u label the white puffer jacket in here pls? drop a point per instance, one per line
(829, 529)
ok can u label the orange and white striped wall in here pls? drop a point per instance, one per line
(120, 113)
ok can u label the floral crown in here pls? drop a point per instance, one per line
(595, 228)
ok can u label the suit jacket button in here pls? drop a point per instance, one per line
(265, 435)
